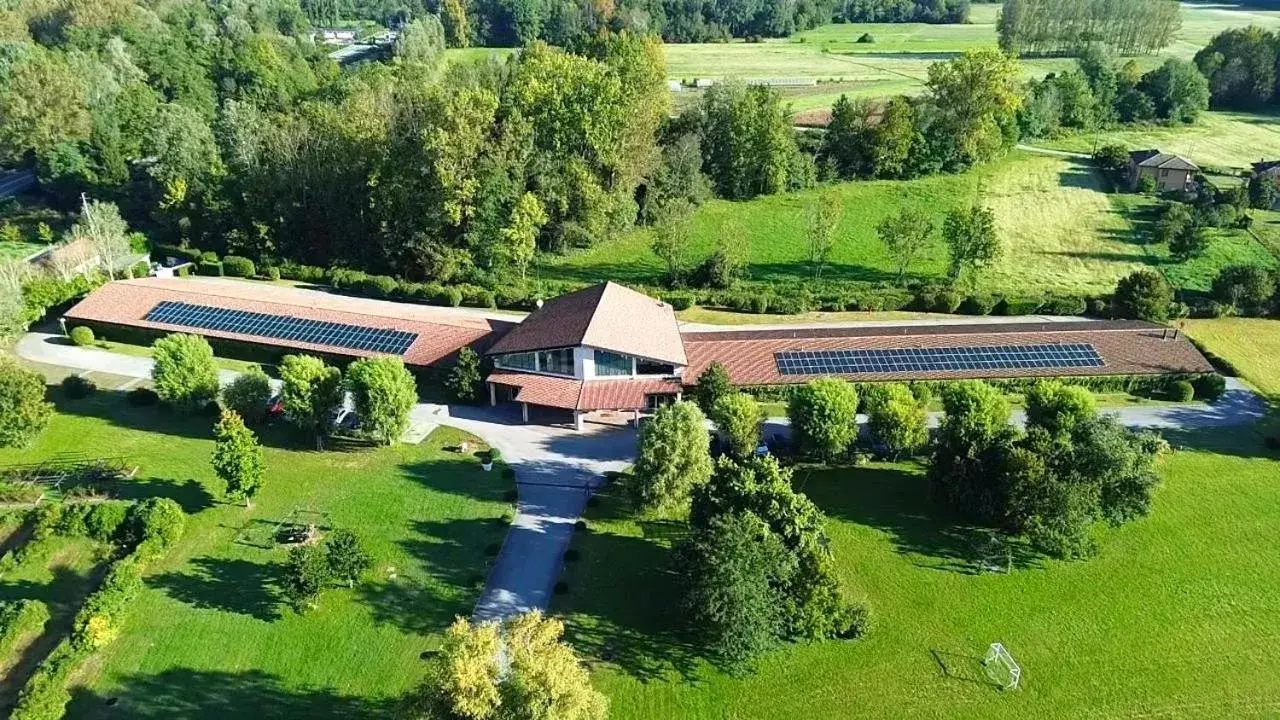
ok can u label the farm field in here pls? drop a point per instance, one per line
(1060, 233)
(210, 637)
(1219, 139)
(1252, 345)
(1164, 622)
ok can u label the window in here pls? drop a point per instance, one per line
(612, 364)
(517, 361)
(655, 402)
(556, 362)
(647, 367)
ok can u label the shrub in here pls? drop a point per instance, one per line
(384, 393)
(271, 273)
(465, 381)
(76, 386)
(1209, 387)
(823, 416)
(24, 412)
(154, 525)
(866, 38)
(81, 336)
(453, 296)
(1064, 305)
(248, 395)
(1144, 295)
(142, 397)
(237, 266)
(1245, 287)
(180, 254)
(1182, 391)
(1018, 306)
(346, 557)
(104, 520)
(680, 301)
(18, 618)
(737, 417)
(211, 268)
(184, 372)
(978, 305)
(306, 572)
(759, 303)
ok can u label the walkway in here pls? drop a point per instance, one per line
(557, 468)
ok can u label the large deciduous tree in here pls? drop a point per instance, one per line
(673, 458)
(312, 392)
(747, 143)
(972, 242)
(24, 412)
(384, 392)
(824, 417)
(184, 372)
(977, 96)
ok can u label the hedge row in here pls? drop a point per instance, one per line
(149, 530)
(19, 618)
(1208, 386)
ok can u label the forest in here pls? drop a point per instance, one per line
(1052, 27)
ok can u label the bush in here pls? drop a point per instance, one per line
(1182, 391)
(180, 254)
(142, 397)
(453, 297)
(1247, 288)
(759, 303)
(1209, 387)
(1063, 305)
(76, 387)
(24, 412)
(18, 618)
(680, 301)
(153, 526)
(81, 336)
(104, 520)
(823, 416)
(237, 266)
(1143, 295)
(184, 373)
(1017, 306)
(866, 39)
(210, 268)
(248, 395)
(978, 305)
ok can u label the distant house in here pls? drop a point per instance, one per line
(336, 36)
(69, 259)
(1171, 173)
(1269, 169)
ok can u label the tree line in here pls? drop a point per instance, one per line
(901, 11)
(1041, 27)
(1243, 68)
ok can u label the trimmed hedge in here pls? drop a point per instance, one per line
(81, 335)
(181, 254)
(18, 618)
(211, 268)
(236, 266)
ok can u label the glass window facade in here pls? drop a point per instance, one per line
(646, 367)
(516, 361)
(612, 364)
(556, 362)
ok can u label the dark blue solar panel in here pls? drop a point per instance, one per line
(283, 327)
(908, 360)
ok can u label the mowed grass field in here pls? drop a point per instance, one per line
(210, 636)
(1219, 139)
(1251, 344)
(1174, 618)
(1060, 233)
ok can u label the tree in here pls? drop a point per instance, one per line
(733, 570)
(679, 176)
(1177, 89)
(671, 239)
(821, 219)
(894, 138)
(384, 392)
(248, 395)
(520, 236)
(848, 143)
(738, 416)
(1240, 65)
(976, 94)
(421, 41)
(457, 28)
(43, 103)
(1113, 161)
(1130, 27)
(101, 224)
(1248, 288)
(346, 557)
(1263, 191)
(306, 572)
(1175, 218)
(673, 457)
(824, 417)
(747, 142)
(24, 413)
(465, 381)
(713, 384)
(970, 234)
(906, 235)
(896, 420)
(312, 393)
(1144, 295)
(184, 372)
(965, 469)
(237, 457)
(1058, 408)
(728, 262)
(1191, 241)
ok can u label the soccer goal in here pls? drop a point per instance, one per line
(1001, 667)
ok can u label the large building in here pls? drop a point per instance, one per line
(608, 349)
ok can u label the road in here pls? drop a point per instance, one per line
(16, 182)
(557, 468)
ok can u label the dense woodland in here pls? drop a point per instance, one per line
(1243, 68)
(1040, 27)
(893, 11)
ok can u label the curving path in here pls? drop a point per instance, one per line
(558, 468)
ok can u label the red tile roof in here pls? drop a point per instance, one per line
(1126, 347)
(573, 394)
(606, 316)
(441, 332)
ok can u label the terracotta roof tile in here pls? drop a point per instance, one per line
(440, 333)
(573, 394)
(541, 389)
(607, 316)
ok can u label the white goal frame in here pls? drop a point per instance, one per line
(998, 656)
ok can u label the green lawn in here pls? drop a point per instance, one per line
(1219, 139)
(210, 637)
(1060, 233)
(18, 250)
(1251, 344)
(1173, 618)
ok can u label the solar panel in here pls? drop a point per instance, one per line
(906, 360)
(283, 327)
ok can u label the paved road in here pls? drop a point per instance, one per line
(557, 468)
(16, 182)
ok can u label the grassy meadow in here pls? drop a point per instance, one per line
(1060, 232)
(1252, 345)
(1219, 139)
(211, 636)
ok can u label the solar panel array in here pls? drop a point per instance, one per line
(903, 360)
(283, 327)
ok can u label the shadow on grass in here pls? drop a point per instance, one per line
(237, 586)
(187, 693)
(962, 667)
(895, 500)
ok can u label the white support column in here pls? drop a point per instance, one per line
(577, 421)
(524, 412)
(635, 418)
(493, 395)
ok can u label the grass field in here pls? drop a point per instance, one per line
(1251, 344)
(1174, 618)
(209, 636)
(1219, 139)
(1060, 233)
(18, 250)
